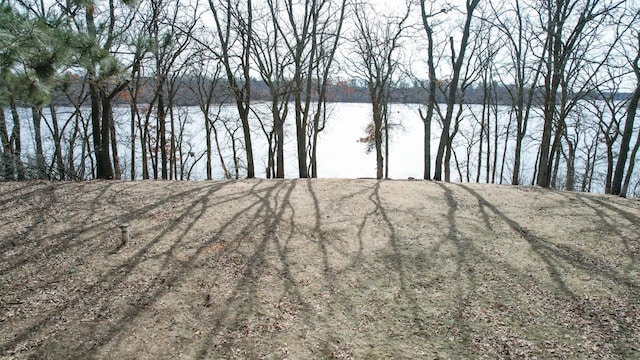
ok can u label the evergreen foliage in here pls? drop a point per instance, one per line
(32, 51)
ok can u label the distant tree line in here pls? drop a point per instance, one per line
(569, 66)
(349, 90)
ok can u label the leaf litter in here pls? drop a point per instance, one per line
(344, 269)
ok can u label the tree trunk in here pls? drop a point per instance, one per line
(453, 91)
(17, 152)
(426, 121)
(377, 125)
(41, 166)
(385, 114)
(16, 139)
(632, 162)
(57, 143)
(571, 159)
(618, 175)
(270, 170)
(482, 132)
(554, 171)
(504, 151)
(207, 127)
(103, 162)
(162, 130)
(86, 152)
(227, 175)
(105, 138)
(172, 143)
(248, 147)
(495, 139)
(317, 128)
(279, 133)
(515, 179)
(313, 157)
(616, 185)
(72, 174)
(117, 172)
(431, 93)
(535, 168)
(487, 132)
(455, 159)
(132, 130)
(143, 128)
(610, 159)
(7, 153)
(544, 168)
(301, 136)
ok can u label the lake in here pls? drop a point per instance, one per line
(340, 154)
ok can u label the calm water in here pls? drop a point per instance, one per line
(340, 155)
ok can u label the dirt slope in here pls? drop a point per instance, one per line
(308, 269)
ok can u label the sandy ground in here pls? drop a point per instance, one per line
(307, 269)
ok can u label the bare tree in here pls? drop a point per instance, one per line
(606, 110)
(514, 25)
(207, 91)
(427, 13)
(75, 91)
(568, 26)
(311, 31)
(485, 58)
(169, 28)
(617, 187)
(273, 60)
(328, 44)
(377, 50)
(234, 27)
(457, 62)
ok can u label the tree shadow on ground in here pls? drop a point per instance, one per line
(109, 320)
(628, 233)
(292, 268)
(614, 323)
(267, 215)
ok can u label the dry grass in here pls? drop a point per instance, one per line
(316, 269)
